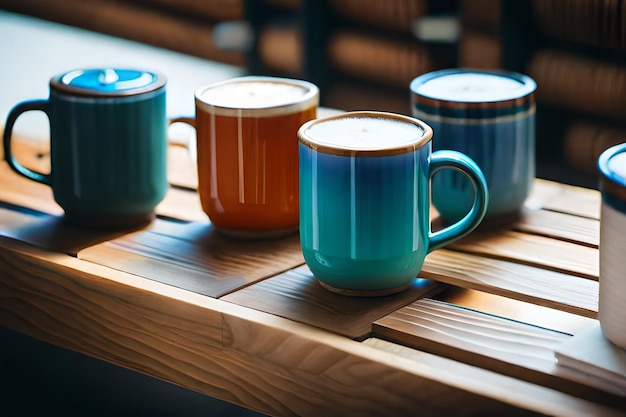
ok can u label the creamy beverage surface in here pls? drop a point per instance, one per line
(253, 94)
(364, 133)
(470, 87)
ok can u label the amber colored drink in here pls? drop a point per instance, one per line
(248, 153)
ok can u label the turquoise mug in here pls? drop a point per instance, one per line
(107, 145)
(365, 200)
(490, 117)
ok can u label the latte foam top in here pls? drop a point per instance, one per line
(364, 132)
(254, 93)
(472, 87)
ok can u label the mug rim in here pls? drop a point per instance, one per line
(310, 142)
(56, 84)
(611, 182)
(527, 89)
(306, 101)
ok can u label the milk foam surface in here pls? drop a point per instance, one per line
(253, 94)
(471, 87)
(364, 133)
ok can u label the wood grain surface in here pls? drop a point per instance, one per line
(267, 363)
(298, 296)
(245, 321)
(518, 281)
(194, 256)
(490, 342)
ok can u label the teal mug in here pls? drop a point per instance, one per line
(108, 145)
(365, 200)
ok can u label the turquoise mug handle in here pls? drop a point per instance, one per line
(42, 105)
(445, 159)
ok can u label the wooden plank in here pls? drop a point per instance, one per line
(551, 254)
(202, 260)
(521, 282)
(47, 231)
(567, 227)
(341, 378)
(267, 363)
(490, 342)
(181, 205)
(298, 296)
(564, 198)
(512, 309)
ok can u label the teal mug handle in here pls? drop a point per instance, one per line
(42, 105)
(455, 160)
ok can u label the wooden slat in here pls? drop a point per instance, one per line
(504, 346)
(298, 296)
(267, 363)
(521, 282)
(564, 198)
(551, 254)
(202, 261)
(567, 227)
(523, 311)
(47, 231)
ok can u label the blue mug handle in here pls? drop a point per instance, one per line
(445, 159)
(42, 105)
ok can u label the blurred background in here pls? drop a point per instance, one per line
(364, 53)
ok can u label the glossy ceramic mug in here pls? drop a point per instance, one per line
(247, 152)
(490, 117)
(365, 199)
(107, 145)
(612, 296)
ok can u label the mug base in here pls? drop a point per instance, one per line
(106, 222)
(365, 293)
(251, 234)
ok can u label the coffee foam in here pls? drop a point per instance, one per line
(264, 96)
(363, 133)
(470, 87)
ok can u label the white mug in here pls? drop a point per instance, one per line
(612, 297)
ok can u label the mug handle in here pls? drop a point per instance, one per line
(445, 159)
(42, 105)
(186, 120)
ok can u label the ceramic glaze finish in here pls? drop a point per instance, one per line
(366, 215)
(364, 212)
(107, 82)
(257, 96)
(489, 116)
(247, 156)
(612, 297)
(116, 162)
(612, 301)
(108, 145)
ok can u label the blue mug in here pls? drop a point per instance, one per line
(365, 199)
(490, 117)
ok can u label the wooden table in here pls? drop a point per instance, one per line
(246, 322)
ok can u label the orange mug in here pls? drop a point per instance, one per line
(247, 152)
